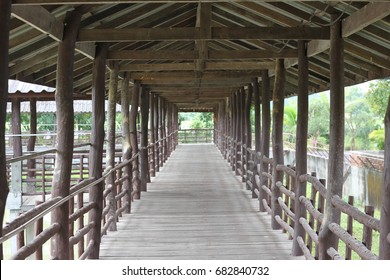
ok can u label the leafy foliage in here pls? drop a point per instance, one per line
(378, 97)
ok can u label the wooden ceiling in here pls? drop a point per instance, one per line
(196, 54)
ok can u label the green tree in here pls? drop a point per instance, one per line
(203, 120)
(378, 96)
(318, 127)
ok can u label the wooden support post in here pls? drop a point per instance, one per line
(328, 239)
(134, 139)
(16, 127)
(248, 131)
(238, 130)
(384, 244)
(243, 135)
(144, 158)
(156, 132)
(266, 132)
(110, 153)
(164, 130)
(65, 132)
(96, 150)
(233, 132)
(161, 128)
(277, 138)
(152, 136)
(126, 145)
(256, 100)
(301, 143)
(31, 143)
(5, 15)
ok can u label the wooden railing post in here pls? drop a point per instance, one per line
(96, 151)
(110, 153)
(64, 145)
(265, 134)
(328, 239)
(384, 245)
(301, 143)
(277, 138)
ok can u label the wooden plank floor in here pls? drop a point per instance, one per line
(195, 208)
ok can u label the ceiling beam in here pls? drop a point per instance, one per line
(41, 19)
(193, 55)
(194, 33)
(362, 18)
(103, 2)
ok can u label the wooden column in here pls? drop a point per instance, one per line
(238, 129)
(256, 100)
(384, 244)
(65, 133)
(110, 153)
(164, 129)
(152, 136)
(126, 145)
(31, 142)
(301, 142)
(96, 151)
(161, 130)
(248, 129)
(243, 134)
(265, 133)
(156, 132)
(5, 15)
(277, 137)
(134, 140)
(16, 127)
(169, 127)
(144, 158)
(233, 132)
(328, 239)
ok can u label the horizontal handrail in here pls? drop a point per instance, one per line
(37, 154)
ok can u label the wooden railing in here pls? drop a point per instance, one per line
(79, 203)
(257, 170)
(198, 135)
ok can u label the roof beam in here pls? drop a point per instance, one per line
(193, 55)
(367, 15)
(245, 65)
(41, 19)
(194, 33)
(101, 2)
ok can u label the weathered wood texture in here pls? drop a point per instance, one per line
(134, 139)
(144, 159)
(96, 151)
(328, 239)
(277, 136)
(110, 154)
(191, 213)
(16, 126)
(301, 142)
(65, 132)
(265, 132)
(126, 145)
(384, 251)
(152, 136)
(32, 138)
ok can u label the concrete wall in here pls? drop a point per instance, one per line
(363, 183)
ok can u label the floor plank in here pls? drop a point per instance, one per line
(195, 208)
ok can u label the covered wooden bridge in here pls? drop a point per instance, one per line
(178, 55)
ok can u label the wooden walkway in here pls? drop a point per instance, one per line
(195, 208)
